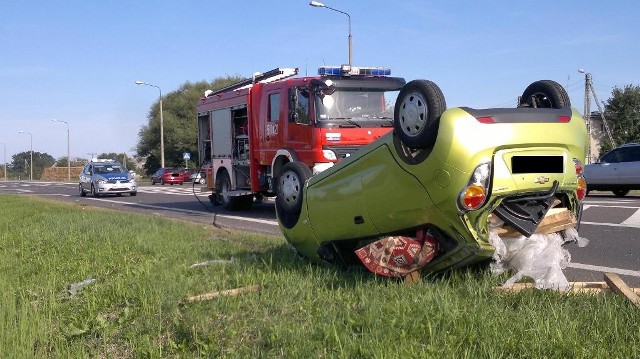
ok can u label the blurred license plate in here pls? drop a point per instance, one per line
(537, 164)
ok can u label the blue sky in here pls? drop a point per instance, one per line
(78, 61)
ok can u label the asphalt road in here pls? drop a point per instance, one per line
(611, 224)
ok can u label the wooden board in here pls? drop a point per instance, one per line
(574, 287)
(619, 286)
(556, 219)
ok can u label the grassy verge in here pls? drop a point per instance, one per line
(141, 267)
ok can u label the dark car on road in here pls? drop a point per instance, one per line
(168, 175)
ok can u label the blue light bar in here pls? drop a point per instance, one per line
(346, 70)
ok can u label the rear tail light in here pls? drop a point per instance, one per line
(475, 193)
(581, 188)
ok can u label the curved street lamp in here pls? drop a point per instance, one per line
(68, 152)
(319, 4)
(161, 122)
(31, 150)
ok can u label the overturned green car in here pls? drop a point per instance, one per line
(437, 182)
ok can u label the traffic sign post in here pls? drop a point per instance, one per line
(187, 157)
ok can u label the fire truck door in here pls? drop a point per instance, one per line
(271, 126)
(299, 127)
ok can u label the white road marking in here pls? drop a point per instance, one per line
(189, 211)
(590, 267)
(610, 224)
(633, 220)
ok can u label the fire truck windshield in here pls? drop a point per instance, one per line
(357, 107)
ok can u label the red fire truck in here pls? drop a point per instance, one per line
(253, 132)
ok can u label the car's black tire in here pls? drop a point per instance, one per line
(545, 94)
(133, 194)
(82, 192)
(290, 192)
(93, 192)
(162, 181)
(417, 113)
(231, 203)
(620, 192)
(153, 183)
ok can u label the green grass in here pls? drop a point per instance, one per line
(141, 266)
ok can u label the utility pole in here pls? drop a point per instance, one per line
(588, 88)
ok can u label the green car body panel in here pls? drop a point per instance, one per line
(381, 191)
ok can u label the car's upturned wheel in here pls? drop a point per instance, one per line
(545, 94)
(93, 191)
(620, 192)
(417, 112)
(232, 203)
(290, 192)
(82, 192)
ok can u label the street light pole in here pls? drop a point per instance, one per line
(319, 4)
(5, 160)
(68, 151)
(161, 122)
(31, 150)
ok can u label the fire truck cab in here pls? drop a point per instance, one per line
(249, 132)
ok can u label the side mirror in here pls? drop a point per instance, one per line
(323, 88)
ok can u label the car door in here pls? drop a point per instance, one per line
(606, 170)
(85, 177)
(629, 167)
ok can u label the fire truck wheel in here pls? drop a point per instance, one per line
(231, 203)
(290, 192)
(417, 113)
(545, 94)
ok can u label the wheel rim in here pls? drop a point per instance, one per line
(541, 100)
(290, 187)
(413, 114)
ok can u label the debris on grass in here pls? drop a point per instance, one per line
(540, 256)
(620, 287)
(213, 262)
(612, 284)
(251, 257)
(222, 293)
(76, 288)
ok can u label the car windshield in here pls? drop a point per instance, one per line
(104, 169)
(352, 106)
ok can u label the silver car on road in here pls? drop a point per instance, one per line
(102, 177)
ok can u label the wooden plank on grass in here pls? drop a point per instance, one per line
(619, 286)
(221, 293)
(412, 277)
(574, 287)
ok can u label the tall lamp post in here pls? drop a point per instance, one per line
(31, 150)
(68, 151)
(161, 122)
(319, 4)
(5, 160)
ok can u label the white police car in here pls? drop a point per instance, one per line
(101, 177)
